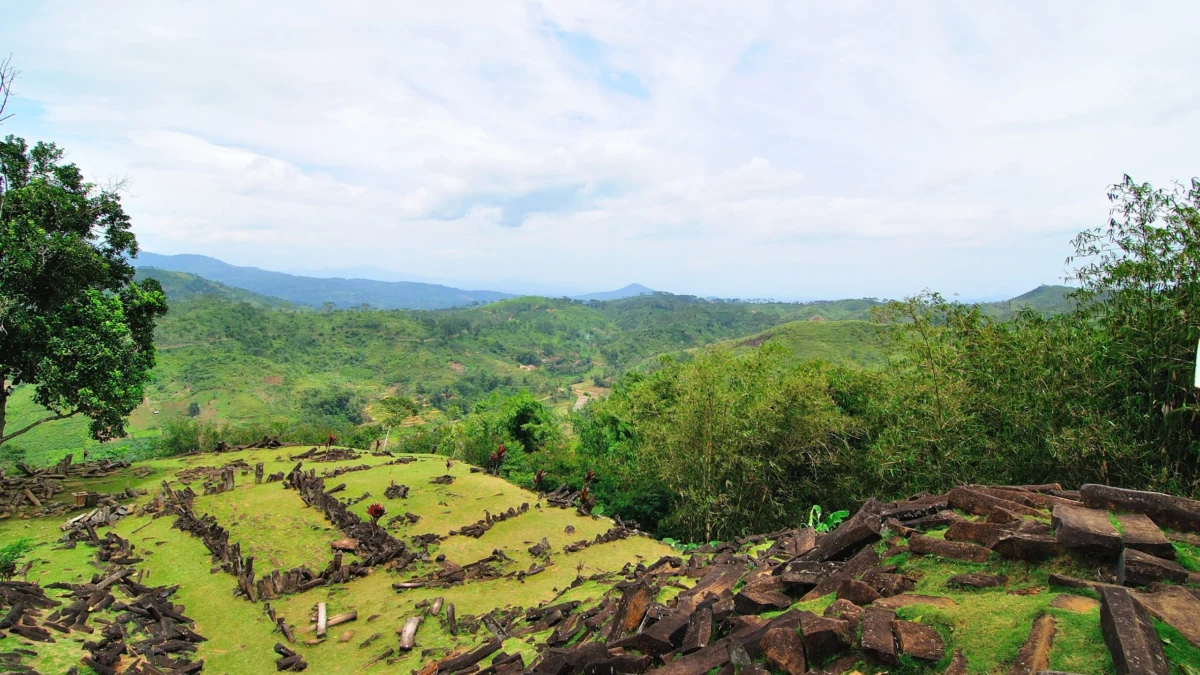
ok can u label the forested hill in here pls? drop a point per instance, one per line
(314, 291)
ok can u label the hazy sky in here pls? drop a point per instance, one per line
(790, 150)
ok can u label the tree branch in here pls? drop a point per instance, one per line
(52, 418)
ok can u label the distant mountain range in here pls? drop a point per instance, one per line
(316, 291)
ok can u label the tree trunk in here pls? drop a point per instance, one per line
(3, 405)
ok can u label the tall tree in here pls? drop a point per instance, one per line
(73, 322)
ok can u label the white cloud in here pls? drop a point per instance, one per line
(783, 149)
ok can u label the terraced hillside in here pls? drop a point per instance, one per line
(262, 558)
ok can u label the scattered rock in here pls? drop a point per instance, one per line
(982, 533)
(1139, 532)
(1033, 547)
(1131, 638)
(857, 592)
(1074, 603)
(919, 641)
(1086, 530)
(878, 641)
(1135, 568)
(1176, 606)
(1166, 511)
(846, 611)
(957, 550)
(958, 664)
(784, 651)
(978, 580)
(1034, 656)
(823, 637)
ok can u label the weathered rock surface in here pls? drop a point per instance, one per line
(857, 592)
(823, 637)
(1175, 606)
(1165, 510)
(978, 580)
(1139, 532)
(878, 641)
(1135, 568)
(958, 550)
(1086, 530)
(1131, 638)
(1032, 547)
(1035, 653)
(784, 651)
(919, 641)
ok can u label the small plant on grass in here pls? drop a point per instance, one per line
(10, 556)
(376, 511)
(539, 479)
(825, 523)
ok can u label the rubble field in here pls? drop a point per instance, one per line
(272, 558)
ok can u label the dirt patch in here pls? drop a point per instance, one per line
(458, 367)
(273, 380)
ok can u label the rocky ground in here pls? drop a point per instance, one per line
(267, 559)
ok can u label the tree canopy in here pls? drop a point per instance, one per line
(74, 324)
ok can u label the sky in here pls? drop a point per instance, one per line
(790, 150)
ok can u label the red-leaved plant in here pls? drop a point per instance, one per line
(376, 512)
(539, 479)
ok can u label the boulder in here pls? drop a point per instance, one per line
(982, 504)
(857, 592)
(1139, 532)
(1131, 638)
(804, 572)
(888, 584)
(846, 611)
(984, 534)
(1027, 546)
(1165, 510)
(1176, 606)
(1034, 655)
(861, 562)
(823, 637)
(919, 641)
(784, 651)
(919, 543)
(878, 641)
(1085, 530)
(978, 580)
(1135, 568)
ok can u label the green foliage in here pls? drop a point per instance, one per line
(332, 404)
(825, 523)
(11, 554)
(76, 326)
(396, 409)
(193, 409)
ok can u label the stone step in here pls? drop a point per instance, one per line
(1085, 530)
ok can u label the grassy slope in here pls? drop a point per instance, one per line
(988, 625)
(240, 635)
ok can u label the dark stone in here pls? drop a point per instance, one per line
(699, 630)
(888, 584)
(784, 651)
(958, 664)
(1131, 638)
(1165, 510)
(1135, 568)
(823, 637)
(919, 641)
(857, 592)
(878, 641)
(958, 550)
(978, 580)
(846, 611)
(1027, 546)
(1086, 530)
(1035, 653)
(984, 534)
(848, 538)
(863, 561)
(982, 504)
(806, 573)
(911, 509)
(939, 519)
(1139, 532)
(762, 594)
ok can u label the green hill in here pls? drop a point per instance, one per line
(180, 286)
(850, 342)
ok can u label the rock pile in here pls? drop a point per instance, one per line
(718, 623)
